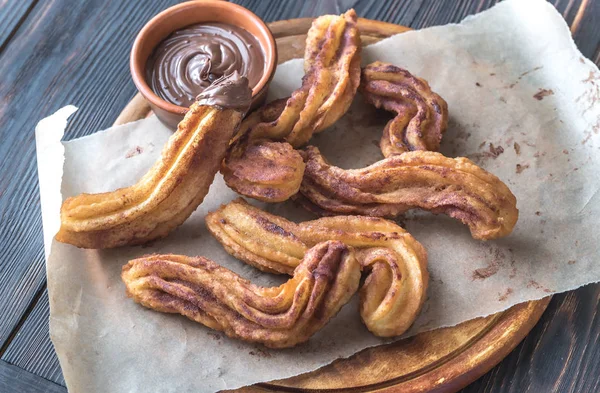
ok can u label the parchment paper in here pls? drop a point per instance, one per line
(522, 101)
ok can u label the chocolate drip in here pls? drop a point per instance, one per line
(229, 92)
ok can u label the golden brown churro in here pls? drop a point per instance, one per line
(171, 190)
(420, 179)
(268, 171)
(214, 296)
(332, 74)
(395, 262)
(421, 115)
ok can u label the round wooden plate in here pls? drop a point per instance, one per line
(443, 360)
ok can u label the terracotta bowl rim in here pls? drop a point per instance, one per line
(138, 70)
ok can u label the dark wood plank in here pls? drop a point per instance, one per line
(561, 353)
(31, 348)
(586, 28)
(12, 15)
(439, 12)
(65, 52)
(16, 380)
(400, 12)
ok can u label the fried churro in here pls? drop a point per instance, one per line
(421, 115)
(413, 180)
(394, 262)
(332, 74)
(173, 188)
(278, 317)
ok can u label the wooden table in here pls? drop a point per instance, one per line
(59, 52)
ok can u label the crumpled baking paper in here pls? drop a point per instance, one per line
(523, 105)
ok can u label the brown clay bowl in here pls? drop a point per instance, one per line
(185, 14)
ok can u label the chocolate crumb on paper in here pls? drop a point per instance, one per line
(587, 138)
(496, 151)
(485, 272)
(522, 75)
(493, 152)
(520, 168)
(533, 284)
(463, 135)
(517, 148)
(513, 264)
(498, 258)
(503, 296)
(214, 336)
(536, 285)
(543, 93)
(134, 152)
(260, 353)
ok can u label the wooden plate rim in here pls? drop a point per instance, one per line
(449, 375)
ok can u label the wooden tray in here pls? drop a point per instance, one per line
(443, 360)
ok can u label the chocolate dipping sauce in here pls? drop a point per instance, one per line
(228, 92)
(189, 60)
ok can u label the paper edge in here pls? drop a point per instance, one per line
(50, 154)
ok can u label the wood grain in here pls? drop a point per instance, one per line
(64, 52)
(559, 355)
(586, 28)
(31, 348)
(11, 19)
(14, 379)
(76, 52)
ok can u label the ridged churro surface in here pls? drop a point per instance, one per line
(394, 262)
(413, 180)
(164, 197)
(332, 74)
(421, 115)
(214, 296)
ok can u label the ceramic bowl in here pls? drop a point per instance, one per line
(183, 15)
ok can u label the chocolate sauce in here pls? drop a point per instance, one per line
(228, 92)
(190, 59)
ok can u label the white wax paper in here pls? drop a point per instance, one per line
(522, 103)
